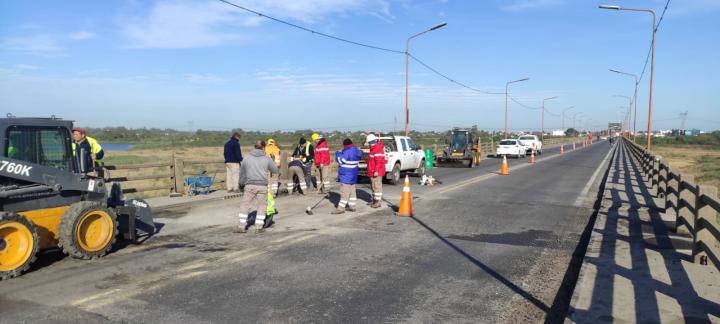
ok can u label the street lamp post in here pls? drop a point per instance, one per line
(562, 145)
(542, 119)
(652, 64)
(506, 102)
(575, 129)
(407, 73)
(628, 109)
(635, 99)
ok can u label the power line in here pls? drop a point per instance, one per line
(310, 30)
(427, 66)
(449, 78)
(523, 105)
(652, 43)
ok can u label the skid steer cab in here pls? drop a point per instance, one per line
(462, 150)
(47, 201)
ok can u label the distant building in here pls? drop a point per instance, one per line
(558, 133)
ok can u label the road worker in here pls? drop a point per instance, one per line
(376, 168)
(322, 163)
(296, 169)
(254, 173)
(94, 152)
(273, 152)
(305, 153)
(233, 157)
(347, 160)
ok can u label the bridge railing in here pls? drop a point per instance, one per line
(695, 207)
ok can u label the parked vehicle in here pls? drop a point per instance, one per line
(462, 149)
(401, 154)
(510, 147)
(528, 140)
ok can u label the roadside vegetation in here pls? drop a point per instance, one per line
(698, 156)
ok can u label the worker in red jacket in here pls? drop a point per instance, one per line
(376, 168)
(322, 163)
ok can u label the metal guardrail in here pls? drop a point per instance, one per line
(695, 207)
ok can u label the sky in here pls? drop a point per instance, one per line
(203, 64)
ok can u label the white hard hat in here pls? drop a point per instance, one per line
(371, 137)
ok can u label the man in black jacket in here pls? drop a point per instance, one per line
(233, 157)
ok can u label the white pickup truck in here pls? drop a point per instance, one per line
(528, 141)
(401, 154)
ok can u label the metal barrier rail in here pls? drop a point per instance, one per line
(695, 207)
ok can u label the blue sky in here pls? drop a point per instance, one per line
(204, 64)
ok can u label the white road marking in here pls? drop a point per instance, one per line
(581, 198)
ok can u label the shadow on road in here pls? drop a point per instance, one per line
(529, 297)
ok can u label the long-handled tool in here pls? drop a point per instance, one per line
(309, 209)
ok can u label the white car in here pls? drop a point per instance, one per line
(401, 154)
(510, 147)
(528, 140)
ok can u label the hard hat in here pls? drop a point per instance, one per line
(371, 137)
(270, 141)
(315, 136)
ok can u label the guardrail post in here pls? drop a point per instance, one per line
(655, 173)
(707, 214)
(684, 215)
(179, 176)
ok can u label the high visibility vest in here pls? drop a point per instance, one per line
(95, 147)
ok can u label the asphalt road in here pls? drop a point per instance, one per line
(481, 248)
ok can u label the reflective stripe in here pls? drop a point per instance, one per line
(406, 189)
(243, 218)
(348, 162)
(349, 166)
(322, 149)
(352, 199)
(352, 204)
(342, 203)
(303, 186)
(379, 194)
(326, 182)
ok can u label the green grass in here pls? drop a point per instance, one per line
(709, 167)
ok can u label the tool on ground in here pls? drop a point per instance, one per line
(405, 200)
(46, 202)
(504, 167)
(463, 149)
(309, 209)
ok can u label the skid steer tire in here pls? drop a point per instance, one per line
(87, 230)
(18, 244)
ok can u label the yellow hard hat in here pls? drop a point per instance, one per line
(270, 141)
(315, 136)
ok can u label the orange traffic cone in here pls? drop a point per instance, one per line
(532, 155)
(406, 200)
(504, 168)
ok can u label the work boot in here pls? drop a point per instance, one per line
(350, 209)
(259, 230)
(376, 204)
(338, 211)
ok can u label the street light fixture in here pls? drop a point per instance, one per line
(652, 64)
(542, 118)
(562, 145)
(407, 73)
(635, 99)
(506, 102)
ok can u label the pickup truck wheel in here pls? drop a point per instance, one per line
(395, 175)
(421, 170)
